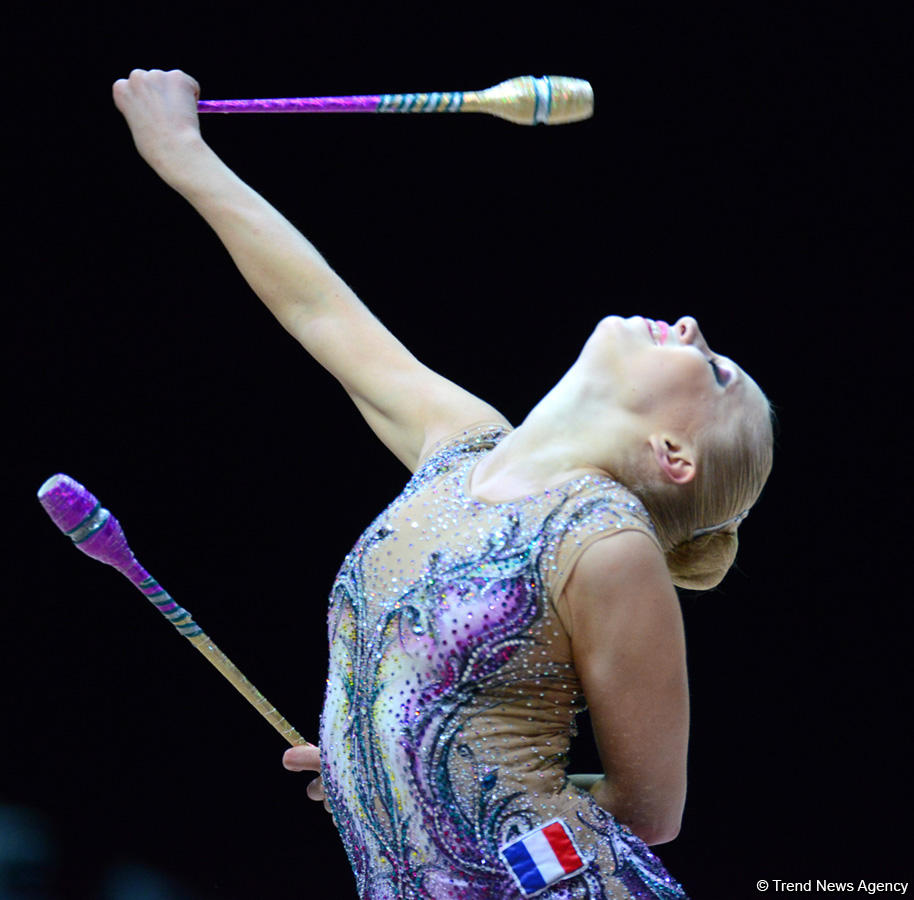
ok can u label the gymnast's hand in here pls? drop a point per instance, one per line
(161, 111)
(307, 759)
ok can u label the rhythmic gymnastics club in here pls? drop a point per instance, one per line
(79, 515)
(552, 99)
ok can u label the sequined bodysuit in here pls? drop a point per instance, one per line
(452, 692)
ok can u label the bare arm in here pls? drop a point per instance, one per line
(629, 650)
(405, 403)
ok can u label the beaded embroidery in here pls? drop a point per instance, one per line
(451, 691)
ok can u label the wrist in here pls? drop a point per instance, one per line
(177, 158)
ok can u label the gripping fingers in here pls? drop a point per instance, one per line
(303, 758)
(307, 758)
(161, 111)
(143, 84)
(315, 790)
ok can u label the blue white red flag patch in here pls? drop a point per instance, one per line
(542, 857)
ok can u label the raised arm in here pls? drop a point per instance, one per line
(405, 403)
(629, 650)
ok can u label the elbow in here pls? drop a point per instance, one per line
(657, 832)
(653, 823)
(657, 826)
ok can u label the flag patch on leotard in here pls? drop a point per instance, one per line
(542, 857)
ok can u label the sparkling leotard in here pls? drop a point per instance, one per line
(451, 691)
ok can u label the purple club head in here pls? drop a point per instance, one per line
(79, 515)
(66, 501)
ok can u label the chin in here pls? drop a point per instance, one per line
(608, 329)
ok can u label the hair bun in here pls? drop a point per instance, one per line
(701, 564)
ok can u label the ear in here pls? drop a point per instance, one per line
(675, 459)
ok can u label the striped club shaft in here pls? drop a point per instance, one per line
(162, 601)
(182, 620)
(450, 101)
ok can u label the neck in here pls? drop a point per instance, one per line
(565, 434)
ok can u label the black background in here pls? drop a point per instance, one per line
(743, 166)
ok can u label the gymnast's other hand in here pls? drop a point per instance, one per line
(161, 112)
(307, 759)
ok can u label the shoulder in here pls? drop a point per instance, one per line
(595, 512)
(622, 579)
(597, 507)
(622, 558)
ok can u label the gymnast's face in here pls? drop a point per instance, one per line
(666, 373)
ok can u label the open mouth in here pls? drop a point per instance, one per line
(658, 331)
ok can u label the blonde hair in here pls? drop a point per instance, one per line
(733, 462)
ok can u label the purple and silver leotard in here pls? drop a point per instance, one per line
(452, 693)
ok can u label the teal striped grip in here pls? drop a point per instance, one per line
(162, 601)
(437, 101)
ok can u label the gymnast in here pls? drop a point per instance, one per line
(521, 575)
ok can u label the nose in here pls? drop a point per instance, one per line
(689, 333)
